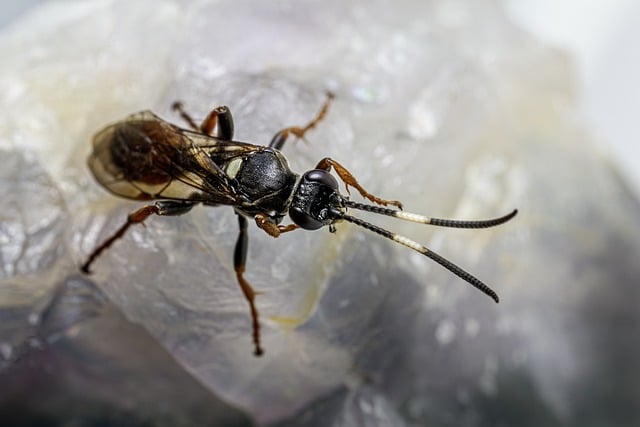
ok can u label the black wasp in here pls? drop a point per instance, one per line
(146, 158)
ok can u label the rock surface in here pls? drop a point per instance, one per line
(442, 104)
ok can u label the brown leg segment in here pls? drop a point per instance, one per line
(137, 217)
(179, 107)
(239, 262)
(222, 118)
(250, 295)
(219, 116)
(272, 229)
(298, 131)
(349, 180)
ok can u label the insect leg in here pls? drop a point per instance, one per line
(164, 208)
(219, 116)
(272, 229)
(179, 107)
(239, 262)
(281, 137)
(349, 180)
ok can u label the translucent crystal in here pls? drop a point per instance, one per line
(441, 104)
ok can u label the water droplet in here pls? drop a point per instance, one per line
(446, 332)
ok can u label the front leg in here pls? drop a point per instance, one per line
(349, 180)
(273, 230)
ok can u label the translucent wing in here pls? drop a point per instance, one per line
(143, 157)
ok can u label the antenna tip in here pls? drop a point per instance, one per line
(493, 296)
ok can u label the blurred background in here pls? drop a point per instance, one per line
(601, 38)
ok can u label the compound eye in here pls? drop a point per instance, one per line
(321, 176)
(304, 220)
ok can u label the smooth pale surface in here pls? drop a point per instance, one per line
(443, 105)
(601, 37)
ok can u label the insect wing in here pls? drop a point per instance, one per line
(143, 158)
(118, 159)
(197, 173)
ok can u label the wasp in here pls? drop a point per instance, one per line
(145, 158)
